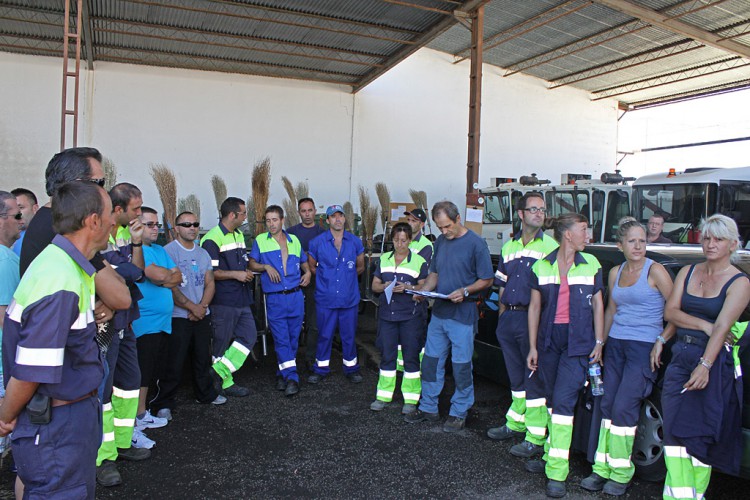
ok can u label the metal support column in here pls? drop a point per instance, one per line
(69, 36)
(475, 106)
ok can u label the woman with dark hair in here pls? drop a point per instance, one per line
(566, 333)
(633, 320)
(400, 319)
(702, 392)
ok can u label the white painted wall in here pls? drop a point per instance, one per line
(407, 129)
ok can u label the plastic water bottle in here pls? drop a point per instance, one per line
(595, 379)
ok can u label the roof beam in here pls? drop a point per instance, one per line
(330, 23)
(667, 22)
(525, 26)
(663, 52)
(210, 63)
(417, 6)
(682, 75)
(722, 88)
(628, 28)
(419, 42)
(243, 42)
(87, 34)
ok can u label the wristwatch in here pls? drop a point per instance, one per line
(466, 292)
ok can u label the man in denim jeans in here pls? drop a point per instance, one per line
(460, 269)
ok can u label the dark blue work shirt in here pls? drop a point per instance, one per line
(411, 271)
(459, 263)
(228, 253)
(336, 279)
(119, 254)
(306, 234)
(584, 281)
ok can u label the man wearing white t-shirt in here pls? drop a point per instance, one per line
(191, 322)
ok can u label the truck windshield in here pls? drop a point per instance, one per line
(497, 208)
(734, 202)
(682, 205)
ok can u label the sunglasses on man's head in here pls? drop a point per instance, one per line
(189, 224)
(99, 182)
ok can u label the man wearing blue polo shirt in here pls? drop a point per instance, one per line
(460, 268)
(283, 264)
(337, 258)
(51, 359)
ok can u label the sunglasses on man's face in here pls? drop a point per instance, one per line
(98, 182)
(18, 216)
(152, 225)
(189, 224)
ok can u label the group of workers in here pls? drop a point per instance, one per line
(95, 312)
(553, 326)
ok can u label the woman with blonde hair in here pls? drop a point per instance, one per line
(633, 320)
(701, 392)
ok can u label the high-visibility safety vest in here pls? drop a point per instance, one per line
(514, 269)
(585, 281)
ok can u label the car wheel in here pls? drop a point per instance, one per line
(648, 446)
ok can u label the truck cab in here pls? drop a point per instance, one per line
(684, 198)
(604, 201)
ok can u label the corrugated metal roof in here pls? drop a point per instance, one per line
(601, 46)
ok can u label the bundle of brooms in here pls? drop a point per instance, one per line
(291, 216)
(167, 187)
(220, 191)
(110, 173)
(190, 203)
(420, 200)
(261, 181)
(369, 217)
(384, 197)
(351, 221)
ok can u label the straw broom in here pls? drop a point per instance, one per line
(384, 197)
(303, 190)
(351, 221)
(369, 222)
(420, 200)
(167, 187)
(364, 208)
(250, 221)
(261, 181)
(291, 217)
(190, 203)
(110, 173)
(220, 190)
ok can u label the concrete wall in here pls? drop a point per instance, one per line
(408, 128)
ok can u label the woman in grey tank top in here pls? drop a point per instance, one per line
(633, 320)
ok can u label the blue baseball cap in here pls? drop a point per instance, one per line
(333, 209)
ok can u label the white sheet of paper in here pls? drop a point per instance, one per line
(389, 291)
(398, 212)
(474, 215)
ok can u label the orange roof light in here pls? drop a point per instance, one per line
(671, 173)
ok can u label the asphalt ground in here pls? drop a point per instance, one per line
(325, 442)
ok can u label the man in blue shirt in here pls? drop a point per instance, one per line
(28, 205)
(10, 226)
(460, 268)
(283, 264)
(337, 258)
(305, 231)
(50, 353)
(155, 322)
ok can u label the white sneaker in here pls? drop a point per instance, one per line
(164, 413)
(150, 422)
(220, 400)
(140, 440)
